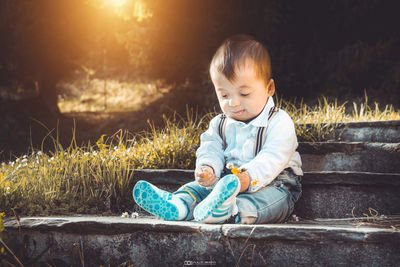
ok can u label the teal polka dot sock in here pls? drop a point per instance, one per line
(159, 202)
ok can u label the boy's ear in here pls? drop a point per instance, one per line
(271, 87)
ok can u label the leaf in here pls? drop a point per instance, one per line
(1, 224)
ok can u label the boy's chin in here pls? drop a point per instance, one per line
(241, 118)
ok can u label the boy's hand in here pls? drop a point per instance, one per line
(244, 179)
(204, 175)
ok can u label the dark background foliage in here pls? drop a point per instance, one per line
(333, 48)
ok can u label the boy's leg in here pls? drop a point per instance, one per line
(159, 202)
(271, 204)
(220, 204)
(192, 194)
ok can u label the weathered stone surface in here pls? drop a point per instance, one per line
(350, 178)
(348, 194)
(166, 177)
(150, 242)
(341, 201)
(338, 156)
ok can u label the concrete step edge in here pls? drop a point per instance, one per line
(375, 131)
(359, 124)
(287, 231)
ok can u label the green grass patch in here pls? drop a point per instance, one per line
(96, 178)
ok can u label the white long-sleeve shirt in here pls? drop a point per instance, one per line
(277, 153)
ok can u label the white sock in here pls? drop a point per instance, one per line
(181, 206)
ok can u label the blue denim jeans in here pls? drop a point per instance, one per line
(271, 204)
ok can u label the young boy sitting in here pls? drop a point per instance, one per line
(252, 137)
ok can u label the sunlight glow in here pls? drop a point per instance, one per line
(126, 9)
(117, 3)
(140, 12)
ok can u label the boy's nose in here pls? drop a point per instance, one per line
(234, 101)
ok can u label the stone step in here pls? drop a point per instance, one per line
(350, 156)
(333, 194)
(370, 131)
(114, 241)
(326, 194)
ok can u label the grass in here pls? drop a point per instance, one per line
(96, 178)
(107, 95)
(317, 123)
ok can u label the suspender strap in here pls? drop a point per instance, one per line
(259, 140)
(221, 129)
(262, 132)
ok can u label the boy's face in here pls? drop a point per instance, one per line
(244, 98)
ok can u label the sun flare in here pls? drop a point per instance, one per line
(117, 3)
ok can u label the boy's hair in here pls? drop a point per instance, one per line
(238, 50)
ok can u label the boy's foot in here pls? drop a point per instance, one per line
(159, 202)
(220, 204)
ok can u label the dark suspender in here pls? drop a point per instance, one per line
(262, 131)
(221, 129)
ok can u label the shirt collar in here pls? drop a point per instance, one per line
(262, 119)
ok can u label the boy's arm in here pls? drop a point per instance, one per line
(211, 151)
(280, 144)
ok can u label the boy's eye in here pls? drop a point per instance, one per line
(224, 96)
(244, 94)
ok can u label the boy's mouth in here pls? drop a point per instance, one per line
(238, 113)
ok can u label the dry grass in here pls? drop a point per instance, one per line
(107, 95)
(317, 123)
(95, 178)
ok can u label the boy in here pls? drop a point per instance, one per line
(268, 185)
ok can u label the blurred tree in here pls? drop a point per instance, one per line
(43, 43)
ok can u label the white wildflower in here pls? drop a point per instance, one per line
(230, 165)
(125, 215)
(134, 215)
